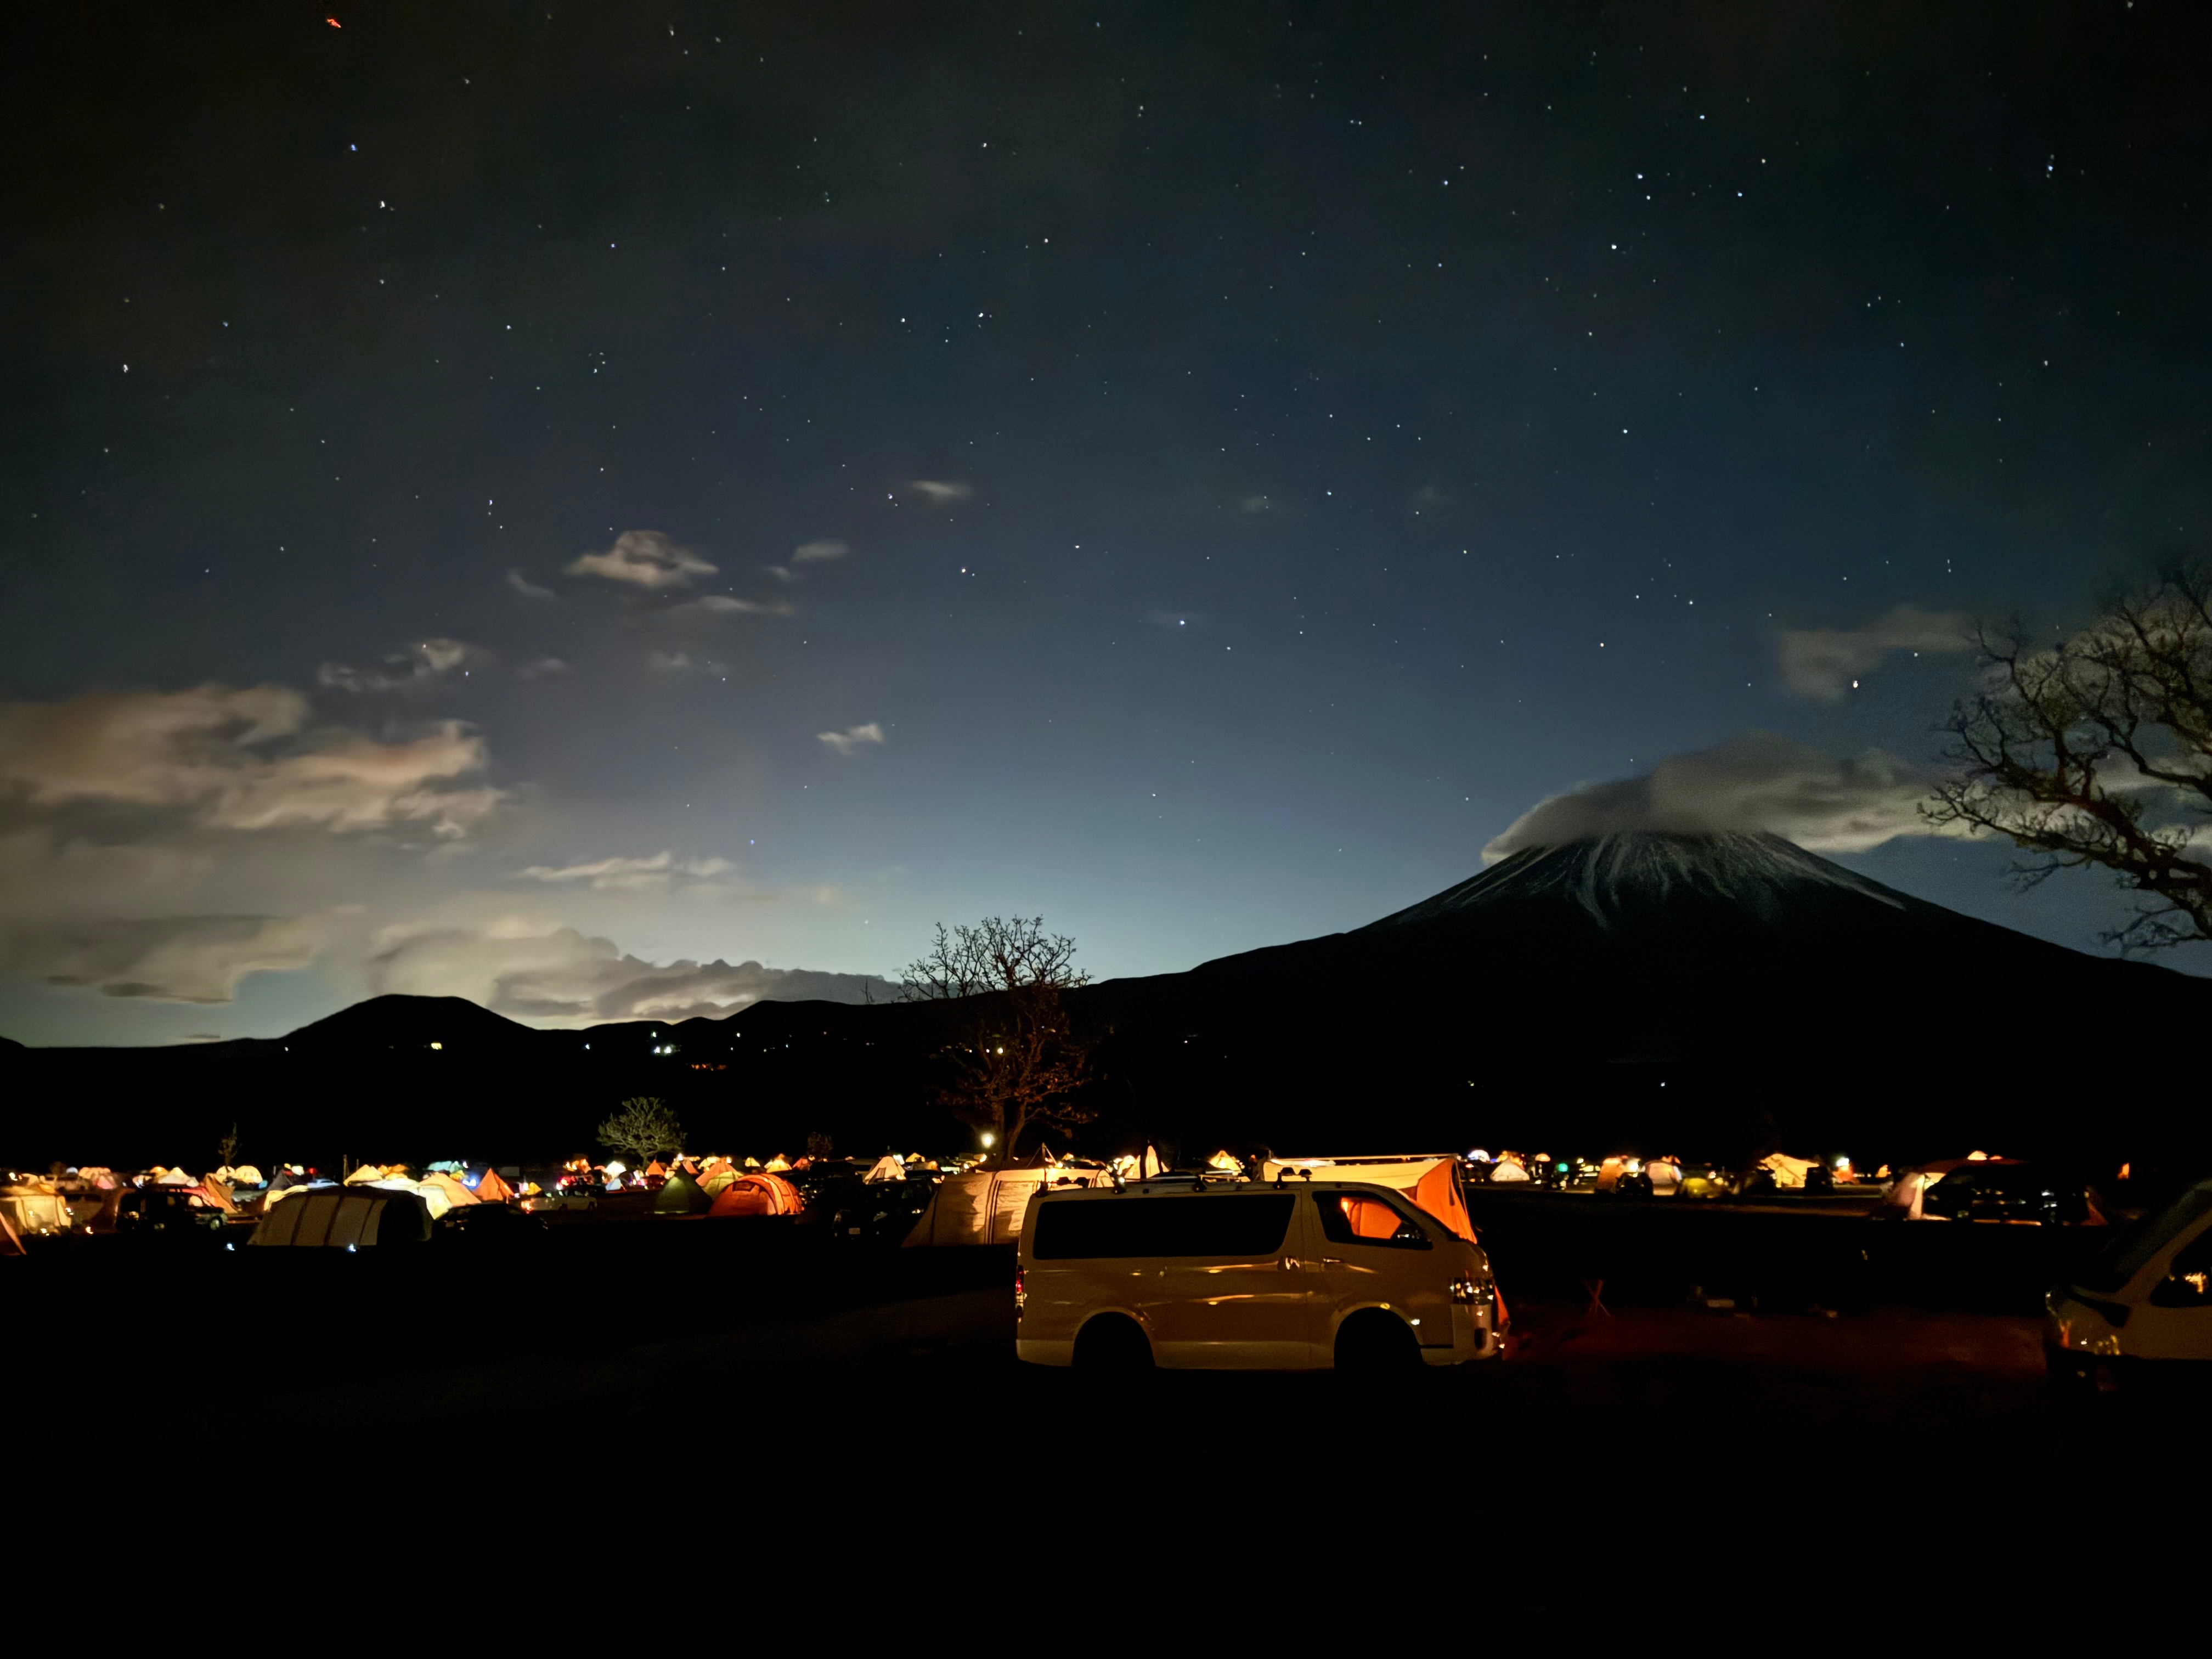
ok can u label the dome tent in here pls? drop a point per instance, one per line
(680, 1195)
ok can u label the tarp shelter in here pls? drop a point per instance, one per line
(338, 1218)
(986, 1206)
(1432, 1184)
(757, 1194)
(680, 1195)
(493, 1190)
(886, 1168)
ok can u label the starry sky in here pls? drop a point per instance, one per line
(617, 511)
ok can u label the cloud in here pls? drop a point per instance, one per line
(418, 666)
(544, 666)
(1757, 781)
(679, 662)
(1824, 664)
(1255, 504)
(654, 871)
(726, 605)
(817, 552)
(239, 759)
(645, 558)
(197, 959)
(528, 589)
(559, 976)
(847, 741)
(939, 493)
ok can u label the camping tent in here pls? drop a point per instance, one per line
(173, 1178)
(1432, 1184)
(335, 1217)
(1787, 1171)
(455, 1193)
(757, 1194)
(29, 1209)
(886, 1168)
(986, 1206)
(680, 1195)
(493, 1190)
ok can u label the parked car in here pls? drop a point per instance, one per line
(562, 1198)
(856, 1212)
(1193, 1274)
(2141, 1314)
(1996, 1191)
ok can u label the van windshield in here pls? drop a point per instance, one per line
(1227, 1225)
(2129, 1253)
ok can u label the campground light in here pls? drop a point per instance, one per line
(988, 1136)
(437, 1045)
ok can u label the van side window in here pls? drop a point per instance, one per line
(1237, 1225)
(1357, 1219)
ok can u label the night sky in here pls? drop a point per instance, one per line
(563, 506)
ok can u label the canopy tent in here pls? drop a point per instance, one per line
(680, 1195)
(1432, 1184)
(886, 1168)
(986, 1206)
(757, 1194)
(491, 1189)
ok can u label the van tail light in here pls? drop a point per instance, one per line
(1021, 1291)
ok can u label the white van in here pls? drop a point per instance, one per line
(2147, 1300)
(1269, 1276)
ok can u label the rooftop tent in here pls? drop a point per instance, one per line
(337, 1218)
(1432, 1184)
(680, 1195)
(886, 1168)
(491, 1189)
(757, 1194)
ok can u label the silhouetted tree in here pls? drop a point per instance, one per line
(2097, 751)
(1016, 1061)
(643, 1128)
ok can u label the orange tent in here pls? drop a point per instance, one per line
(757, 1194)
(492, 1190)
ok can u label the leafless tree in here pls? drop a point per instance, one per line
(643, 1128)
(2097, 750)
(1016, 1061)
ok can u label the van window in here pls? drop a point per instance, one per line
(2131, 1251)
(1360, 1219)
(1128, 1226)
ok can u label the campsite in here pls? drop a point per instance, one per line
(697, 1292)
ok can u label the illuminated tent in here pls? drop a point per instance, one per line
(1432, 1184)
(886, 1168)
(364, 1174)
(1787, 1171)
(987, 1206)
(680, 1195)
(454, 1193)
(10, 1244)
(173, 1178)
(757, 1194)
(656, 1168)
(37, 1209)
(775, 1166)
(717, 1179)
(338, 1218)
(493, 1190)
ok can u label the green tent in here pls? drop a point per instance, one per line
(680, 1195)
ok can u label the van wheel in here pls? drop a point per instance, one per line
(1375, 1340)
(1112, 1342)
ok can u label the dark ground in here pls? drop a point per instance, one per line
(1868, 1368)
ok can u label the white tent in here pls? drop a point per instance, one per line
(886, 1168)
(986, 1206)
(1787, 1171)
(1432, 1184)
(175, 1178)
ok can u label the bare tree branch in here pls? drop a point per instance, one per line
(2097, 751)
